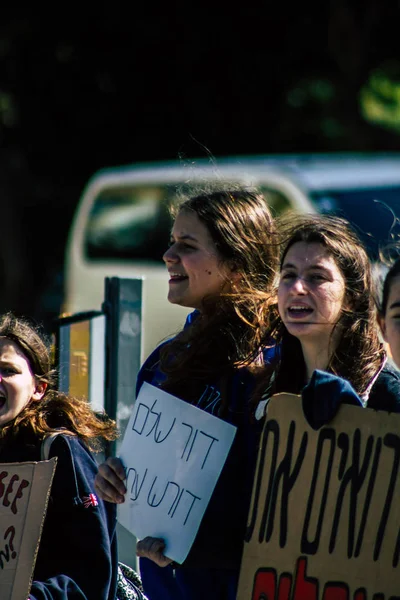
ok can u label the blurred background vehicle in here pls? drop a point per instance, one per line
(121, 225)
(93, 92)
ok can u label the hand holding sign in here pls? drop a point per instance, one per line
(173, 455)
(153, 548)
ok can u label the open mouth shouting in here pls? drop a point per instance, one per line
(299, 311)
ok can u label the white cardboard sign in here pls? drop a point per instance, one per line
(173, 454)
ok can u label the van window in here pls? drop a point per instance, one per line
(278, 202)
(133, 222)
(129, 223)
(372, 211)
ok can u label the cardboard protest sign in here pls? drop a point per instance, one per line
(173, 454)
(324, 521)
(24, 492)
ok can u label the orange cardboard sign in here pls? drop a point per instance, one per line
(24, 493)
(324, 521)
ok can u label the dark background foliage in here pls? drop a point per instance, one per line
(91, 85)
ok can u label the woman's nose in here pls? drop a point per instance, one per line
(299, 286)
(170, 255)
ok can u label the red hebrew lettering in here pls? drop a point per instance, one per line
(305, 588)
(265, 585)
(285, 585)
(336, 591)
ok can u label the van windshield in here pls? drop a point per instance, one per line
(134, 223)
(130, 223)
(374, 213)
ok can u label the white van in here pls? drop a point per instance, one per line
(121, 225)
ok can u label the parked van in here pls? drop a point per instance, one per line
(122, 227)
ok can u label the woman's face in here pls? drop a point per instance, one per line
(17, 383)
(193, 263)
(390, 322)
(311, 292)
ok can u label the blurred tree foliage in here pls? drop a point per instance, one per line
(94, 84)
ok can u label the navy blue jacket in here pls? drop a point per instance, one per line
(325, 392)
(385, 393)
(77, 555)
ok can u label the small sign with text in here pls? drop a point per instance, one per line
(173, 454)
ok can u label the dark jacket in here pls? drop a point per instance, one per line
(77, 555)
(385, 392)
(325, 392)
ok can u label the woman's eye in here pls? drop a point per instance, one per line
(317, 277)
(181, 246)
(287, 276)
(6, 372)
(186, 247)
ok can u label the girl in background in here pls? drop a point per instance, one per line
(77, 555)
(389, 311)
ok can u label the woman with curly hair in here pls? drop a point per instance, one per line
(325, 319)
(221, 262)
(77, 556)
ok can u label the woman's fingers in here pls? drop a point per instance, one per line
(109, 481)
(153, 549)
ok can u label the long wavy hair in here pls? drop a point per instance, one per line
(55, 409)
(228, 332)
(359, 352)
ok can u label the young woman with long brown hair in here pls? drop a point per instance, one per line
(221, 262)
(324, 318)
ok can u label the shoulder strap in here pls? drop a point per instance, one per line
(46, 445)
(45, 453)
(365, 395)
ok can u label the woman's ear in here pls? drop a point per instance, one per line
(235, 275)
(39, 391)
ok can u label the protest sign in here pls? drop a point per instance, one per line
(24, 492)
(324, 521)
(173, 454)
